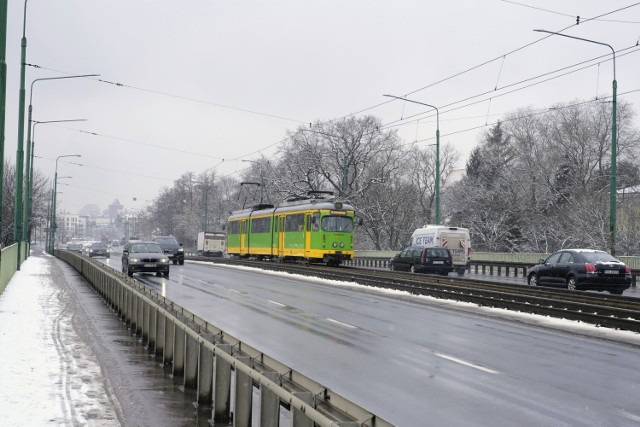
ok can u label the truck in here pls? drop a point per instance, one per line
(211, 243)
(456, 239)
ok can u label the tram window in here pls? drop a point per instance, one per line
(337, 223)
(294, 222)
(315, 222)
(234, 227)
(261, 225)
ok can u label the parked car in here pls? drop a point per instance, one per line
(171, 248)
(96, 249)
(144, 257)
(417, 259)
(582, 269)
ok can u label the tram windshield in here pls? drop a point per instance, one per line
(337, 223)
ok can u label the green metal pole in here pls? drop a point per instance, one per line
(17, 226)
(3, 97)
(613, 185)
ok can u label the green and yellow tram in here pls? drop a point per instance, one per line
(314, 230)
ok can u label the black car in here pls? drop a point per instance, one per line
(171, 248)
(76, 247)
(97, 249)
(583, 269)
(417, 259)
(144, 257)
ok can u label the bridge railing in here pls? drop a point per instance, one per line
(205, 357)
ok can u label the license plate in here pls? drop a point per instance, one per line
(150, 265)
(611, 272)
(438, 262)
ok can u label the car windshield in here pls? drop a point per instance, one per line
(337, 223)
(598, 257)
(145, 248)
(98, 246)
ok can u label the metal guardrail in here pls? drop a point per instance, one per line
(206, 356)
(9, 257)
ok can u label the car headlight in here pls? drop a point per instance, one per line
(181, 250)
(134, 260)
(163, 260)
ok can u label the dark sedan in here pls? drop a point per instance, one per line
(97, 249)
(144, 257)
(582, 269)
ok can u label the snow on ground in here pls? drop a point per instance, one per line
(49, 375)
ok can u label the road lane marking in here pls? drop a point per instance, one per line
(337, 322)
(465, 363)
(630, 416)
(277, 303)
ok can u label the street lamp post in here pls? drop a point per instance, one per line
(613, 184)
(29, 174)
(55, 197)
(437, 151)
(22, 215)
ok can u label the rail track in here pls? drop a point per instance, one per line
(604, 310)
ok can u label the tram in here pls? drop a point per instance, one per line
(313, 229)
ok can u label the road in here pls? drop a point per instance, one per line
(415, 360)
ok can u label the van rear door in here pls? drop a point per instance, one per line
(456, 242)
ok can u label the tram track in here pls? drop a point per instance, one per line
(617, 312)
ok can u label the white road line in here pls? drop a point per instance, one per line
(337, 322)
(462, 362)
(277, 303)
(630, 416)
(235, 290)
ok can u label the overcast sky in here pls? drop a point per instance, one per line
(208, 83)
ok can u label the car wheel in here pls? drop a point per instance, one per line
(175, 261)
(166, 274)
(460, 272)
(571, 283)
(181, 262)
(616, 291)
(129, 273)
(158, 273)
(533, 280)
(412, 269)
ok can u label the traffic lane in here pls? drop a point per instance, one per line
(363, 344)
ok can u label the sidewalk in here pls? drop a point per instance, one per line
(68, 360)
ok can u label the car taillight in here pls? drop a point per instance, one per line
(591, 268)
(627, 269)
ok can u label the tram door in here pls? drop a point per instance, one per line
(280, 251)
(243, 237)
(307, 236)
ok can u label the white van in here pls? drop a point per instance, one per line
(456, 239)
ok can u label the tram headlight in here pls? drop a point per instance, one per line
(342, 244)
(335, 244)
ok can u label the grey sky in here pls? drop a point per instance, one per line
(209, 80)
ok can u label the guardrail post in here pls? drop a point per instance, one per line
(299, 418)
(153, 313)
(169, 336)
(179, 337)
(244, 395)
(160, 333)
(204, 391)
(139, 317)
(269, 403)
(191, 352)
(222, 398)
(146, 322)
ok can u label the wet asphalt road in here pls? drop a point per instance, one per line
(410, 359)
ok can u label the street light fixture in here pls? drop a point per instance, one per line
(437, 151)
(54, 225)
(29, 183)
(613, 184)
